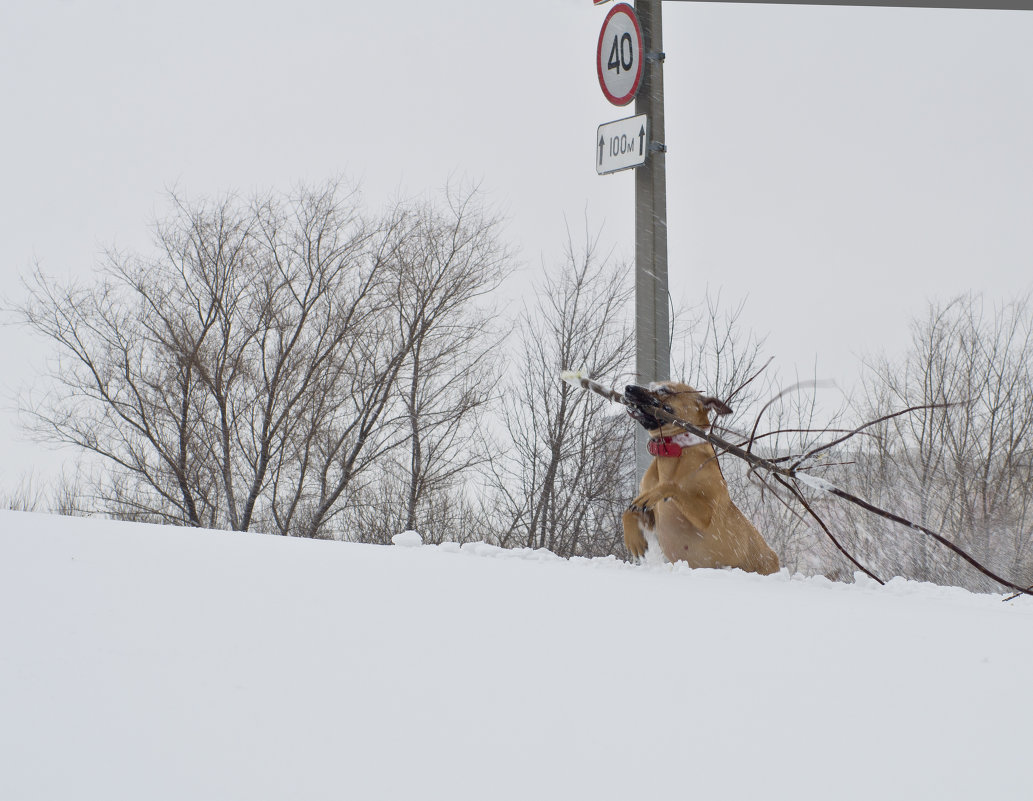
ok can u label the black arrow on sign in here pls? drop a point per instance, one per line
(602, 142)
(641, 139)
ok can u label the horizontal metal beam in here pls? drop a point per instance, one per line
(975, 5)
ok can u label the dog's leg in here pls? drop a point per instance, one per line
(636, 518)
(700, 514)
(633, 520)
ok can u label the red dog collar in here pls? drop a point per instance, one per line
(664, 446)
(672, 446)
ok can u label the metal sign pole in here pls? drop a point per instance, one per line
(652, 323)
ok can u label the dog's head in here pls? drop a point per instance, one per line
(676, 398)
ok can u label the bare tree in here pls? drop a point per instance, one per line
(62, 495)
(715, 351)
(249, 374)
(28, 496)
(563, 474)
(448, 263)
(962, 464)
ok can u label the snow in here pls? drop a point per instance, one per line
(814, 482)
(407, 539)
(574, 377)
(141, 662)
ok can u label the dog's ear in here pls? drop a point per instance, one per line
(715, 405)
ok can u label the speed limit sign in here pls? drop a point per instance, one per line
(619, 55)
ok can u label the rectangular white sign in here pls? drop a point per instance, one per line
(622, 144)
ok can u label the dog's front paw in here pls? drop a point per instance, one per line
(636, 544)
(648, 499)
(634, 540)
(657, 494)
(641, 503)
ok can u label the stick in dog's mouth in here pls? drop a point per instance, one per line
(638, 399)
(640, 403)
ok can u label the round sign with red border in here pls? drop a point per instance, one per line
(619, 55)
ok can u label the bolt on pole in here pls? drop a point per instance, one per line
(652, 323)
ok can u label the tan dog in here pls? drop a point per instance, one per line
(683, 497)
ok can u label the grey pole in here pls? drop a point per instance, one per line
(652, 324)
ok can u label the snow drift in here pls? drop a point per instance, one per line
(141, 662)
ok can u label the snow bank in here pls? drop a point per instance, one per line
(139, 662)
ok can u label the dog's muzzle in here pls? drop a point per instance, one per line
(643, 402)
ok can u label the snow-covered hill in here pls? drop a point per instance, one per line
(141, 662)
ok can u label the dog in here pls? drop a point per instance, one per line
(683, 496)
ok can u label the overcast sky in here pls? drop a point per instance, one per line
(837, 167)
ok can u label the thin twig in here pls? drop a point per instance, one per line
(786, 391)
(828, 532)
(748, 381)
(779, 431)
(1015, 595)
(869, 424)
(753, 474)
(946, 543)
